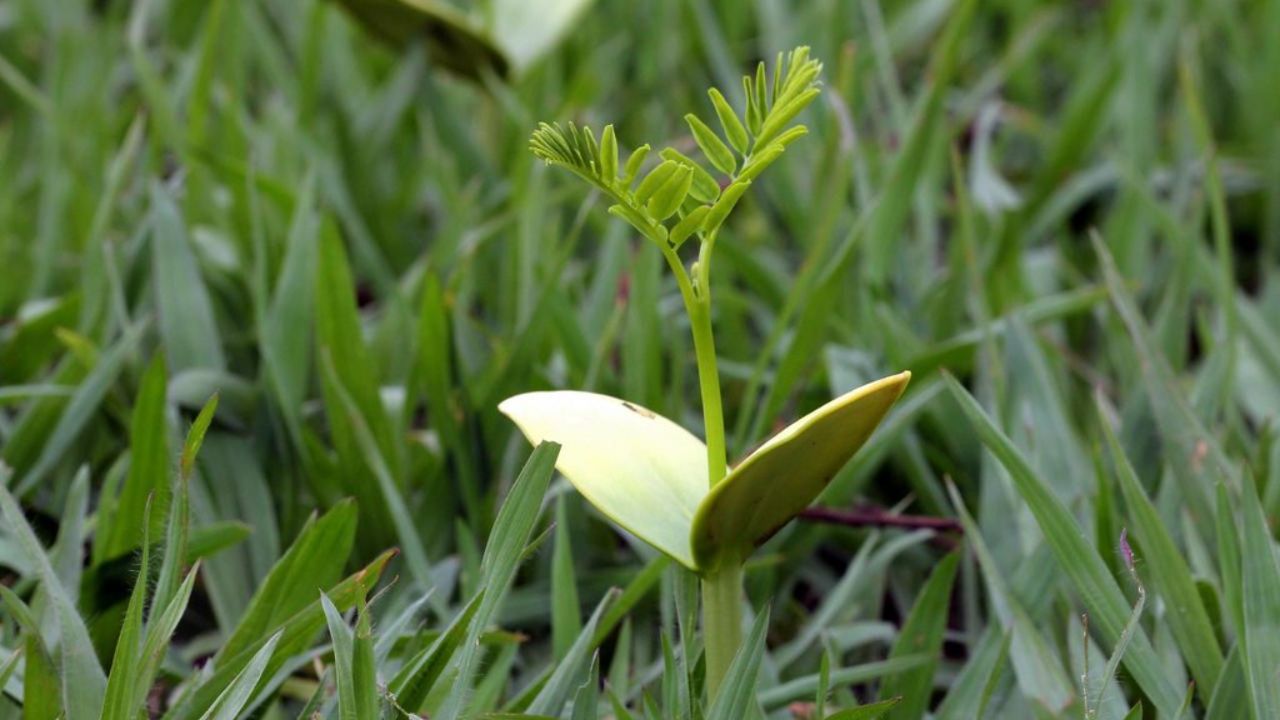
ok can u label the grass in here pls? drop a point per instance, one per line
(1063, 220)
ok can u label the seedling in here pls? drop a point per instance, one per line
(643, 471)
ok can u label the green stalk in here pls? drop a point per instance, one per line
(697, 304)
(704, 347)
(722, 587)
(721, 622)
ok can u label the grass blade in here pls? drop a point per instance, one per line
(566, 622)
(502, 555)
(419, 675)
(314, 560)
(1080, 562)
(82, 406)
(117, 704)
(1038, 670)
(148, 480)
(81, 677)
(238, 693)
(295, 635)
(870, 711)
(555, 693)
(921, 634)
(1188, 619)
(187, 324)
(343, 659)
(178, 532)
(1260, 577)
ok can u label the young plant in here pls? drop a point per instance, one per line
(643, 471)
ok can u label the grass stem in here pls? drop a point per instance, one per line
(721, 622)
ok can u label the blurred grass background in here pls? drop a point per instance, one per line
(353, 247)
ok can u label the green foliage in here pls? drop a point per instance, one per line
(1072, 210)
(665, 189)
(921, 636)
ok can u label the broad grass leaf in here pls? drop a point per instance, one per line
(566, 619)
(67, 552)
(81, 679)
(784, 476)
(804, 687)
(296, 633)
(314, 561)
(178, 531)
(569, 670)
(502, 556)
(586, 702)
(286, 329)
(41, 699)
(1038, 669)
(238, 693)
(149, 462)
(39, 686)
(969, 694)
(391, 497)
(1108, 610)
(238, 487)
(892, 209)
(866, 712)
(419, 674)
(187, 324)
(1260, 578)
(118, 701)
(641, 470)
(363, 666)
(161, 624)
(1196, 457)
(340, 637)
(1229, 559)
(441, 389)
(921, 634)
(8, 667)
(343, 661)
(1230, 698)
(1168, 573)
(33, 343)
(1035, 395)
(54, 440)
(340, 339)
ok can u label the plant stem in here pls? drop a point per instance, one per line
(879, 518)
(704, 348)
(697, 304)
(721, 622)
(722, 587)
